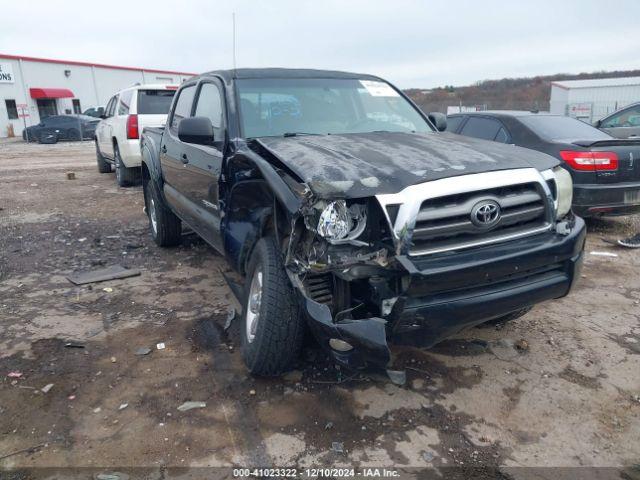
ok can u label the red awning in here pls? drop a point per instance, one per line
(51, 93)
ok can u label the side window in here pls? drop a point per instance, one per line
(626, 118)
(183, 106)
(111, 107)
(125, 102)
(453, 123)
(209, 104)
(502, 136)
(484, 128)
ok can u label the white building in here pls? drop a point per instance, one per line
(31, 88)
(590, 100)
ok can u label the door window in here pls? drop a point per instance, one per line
(626, 118)
(453, 123)
(484, 128)
(183, 106)
(209, 104)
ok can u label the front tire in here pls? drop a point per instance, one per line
(103, 165)
(126, 177)
(272, 327)
(165, 226)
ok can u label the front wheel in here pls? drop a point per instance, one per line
(272, 327)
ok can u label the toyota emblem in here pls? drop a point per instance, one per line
(485, 214)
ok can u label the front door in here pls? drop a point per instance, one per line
(203, 163)
(46, 107)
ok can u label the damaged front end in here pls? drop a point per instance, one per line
(340, 258)
(418, 266)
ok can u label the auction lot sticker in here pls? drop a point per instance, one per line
(379, 89)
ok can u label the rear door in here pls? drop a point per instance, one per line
(624, 124)
(203, 163)
(152, 106)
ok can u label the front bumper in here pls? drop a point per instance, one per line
(451, 292)
(602, 199)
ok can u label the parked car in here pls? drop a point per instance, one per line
(118, 133)
(605, 170)
(61, 127)
(625, 123)
(94, 112)
(349, 214)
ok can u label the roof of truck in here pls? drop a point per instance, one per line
(285, 73)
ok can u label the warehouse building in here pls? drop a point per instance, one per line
(591, 100)
(33, 88)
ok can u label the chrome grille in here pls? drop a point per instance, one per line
(437, 216)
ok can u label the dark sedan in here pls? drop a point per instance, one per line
(62, 127)
(605, 170)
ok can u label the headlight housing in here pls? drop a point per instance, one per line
(338, 223)
(564, 187)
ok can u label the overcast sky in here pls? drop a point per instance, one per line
(411, 43)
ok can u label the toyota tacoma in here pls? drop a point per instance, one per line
(349, 213)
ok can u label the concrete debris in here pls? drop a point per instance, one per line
(191, 405)
(123, 406)
(107, 289)
(14, 374)
(522, 345)
(97, 410)
(113, 359)
(46, 388)
(143, 351)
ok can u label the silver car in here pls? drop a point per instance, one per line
(624, 123)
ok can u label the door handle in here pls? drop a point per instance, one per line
(184, 158)
(164, 149)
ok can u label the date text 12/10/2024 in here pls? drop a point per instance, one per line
(315, 472)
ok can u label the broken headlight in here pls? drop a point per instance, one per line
(564, 186)
(338, 223)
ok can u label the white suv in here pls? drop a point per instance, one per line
(118, 133)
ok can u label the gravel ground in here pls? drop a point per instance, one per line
(559, 387)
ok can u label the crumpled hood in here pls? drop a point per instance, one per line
(366, 164)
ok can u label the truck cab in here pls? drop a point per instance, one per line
(349, 213)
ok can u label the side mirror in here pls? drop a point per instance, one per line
(597, 123)
(439, 120)
(196, 130)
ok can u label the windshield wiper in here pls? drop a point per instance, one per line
(295, 134)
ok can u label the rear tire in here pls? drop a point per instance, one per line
(126, 177)
(272, 328)
(103, 165)
(165, 226)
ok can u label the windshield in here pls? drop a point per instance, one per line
(275, 107)
(550, 127)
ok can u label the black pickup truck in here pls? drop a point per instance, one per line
(349, 213)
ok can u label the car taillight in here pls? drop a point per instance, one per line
(590, 161)
(132, 127)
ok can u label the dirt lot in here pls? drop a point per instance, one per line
(559, 387)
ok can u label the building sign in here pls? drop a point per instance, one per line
(6, 73)
(581, 111)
